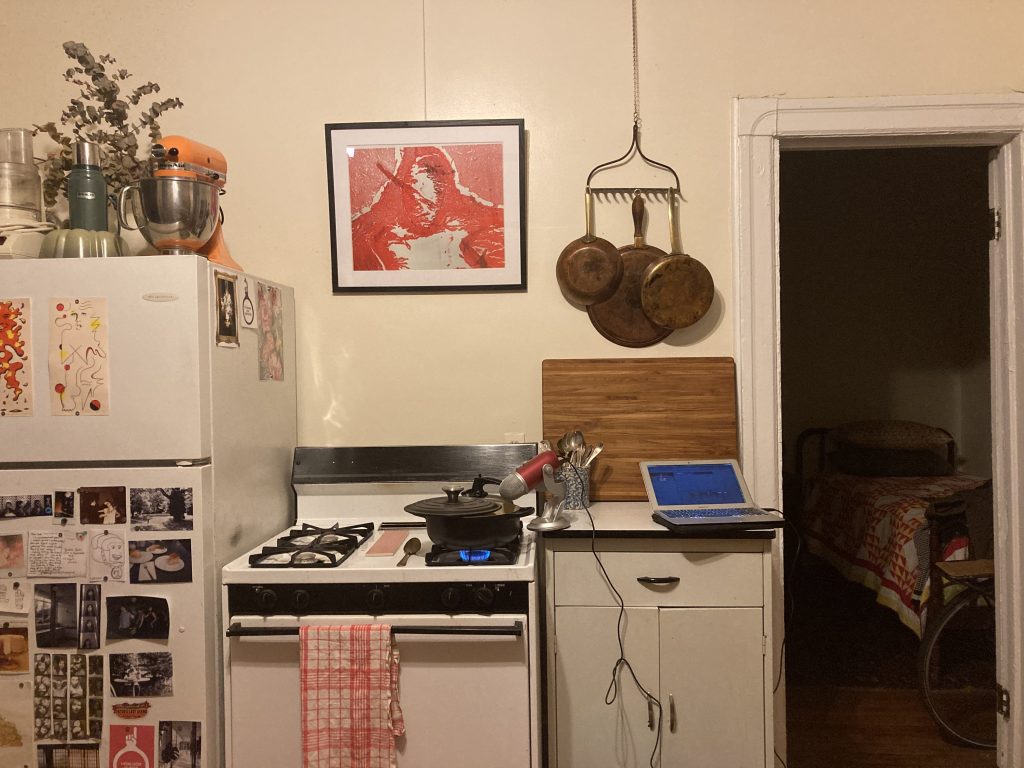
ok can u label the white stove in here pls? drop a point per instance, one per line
(466, 632)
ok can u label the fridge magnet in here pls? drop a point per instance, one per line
(15, 358)
(94, 670)
(88, 620)
(15, 723)
(63, 507)
(135, 616)
(106, 557)
(247, 306)
(103, 506)
(78, 360)
(18, 507)
(12, 556)
(427, 206)
(160, 562)
(13, 648)
(180, 744)
(13, 598)
(56, 616)
(131, 710)
(161, 509)
(140, 675)
(270, 333)
(58, 555)
(227, 310)
(131, 746)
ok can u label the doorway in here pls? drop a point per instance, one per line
(884, 311)
(763, 127)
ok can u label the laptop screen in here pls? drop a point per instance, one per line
(676, 485)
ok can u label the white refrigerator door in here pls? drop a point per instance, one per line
(190, 590)
(159, 340)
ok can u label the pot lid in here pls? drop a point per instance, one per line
(454, 504)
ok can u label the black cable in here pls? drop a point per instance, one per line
(613, 687)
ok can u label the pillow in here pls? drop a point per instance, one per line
(889, 462)
(903, 435)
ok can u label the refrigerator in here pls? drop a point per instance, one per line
(147, 425)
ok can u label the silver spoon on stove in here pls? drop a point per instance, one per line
(412, 546)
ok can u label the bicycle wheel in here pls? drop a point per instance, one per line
(957, 668)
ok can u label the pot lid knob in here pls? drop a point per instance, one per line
(452, 492)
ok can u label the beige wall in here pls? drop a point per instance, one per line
(259, 80)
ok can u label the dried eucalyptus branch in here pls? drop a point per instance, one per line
(100, 114)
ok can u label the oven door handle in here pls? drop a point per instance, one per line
(514, 630)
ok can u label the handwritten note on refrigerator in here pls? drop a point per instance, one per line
(63, 554)
(13, 597)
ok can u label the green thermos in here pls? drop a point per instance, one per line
(87, 189)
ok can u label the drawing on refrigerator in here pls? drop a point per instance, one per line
(15, 358)
(78, 357)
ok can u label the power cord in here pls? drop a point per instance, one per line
(622, 662)
(789, 598)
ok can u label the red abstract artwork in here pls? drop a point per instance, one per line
(14, 381)
(427, 207)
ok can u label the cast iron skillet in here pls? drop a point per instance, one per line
(467, 522)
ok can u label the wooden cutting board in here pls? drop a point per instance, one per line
(642, 409)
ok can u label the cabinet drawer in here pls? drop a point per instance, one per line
(695, 578)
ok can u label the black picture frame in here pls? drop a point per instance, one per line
(427, 206)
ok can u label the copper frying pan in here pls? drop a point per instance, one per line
(621, 319)
(589, 269)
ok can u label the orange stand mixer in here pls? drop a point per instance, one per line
(182, 158)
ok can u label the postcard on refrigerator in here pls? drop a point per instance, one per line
(15, 357)
(12, 556)
(78, 357)
(57, 555)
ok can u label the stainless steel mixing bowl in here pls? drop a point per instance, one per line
(174, 215)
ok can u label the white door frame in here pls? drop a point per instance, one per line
(761, 127)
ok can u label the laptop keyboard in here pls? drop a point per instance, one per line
(679, 514)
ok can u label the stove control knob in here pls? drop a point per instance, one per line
(451, 597)
(375, 598)
(300, 600)
(267, 598)
(484, 596)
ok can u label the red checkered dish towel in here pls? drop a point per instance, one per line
(349, 696)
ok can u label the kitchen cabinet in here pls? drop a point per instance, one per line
(695, 629)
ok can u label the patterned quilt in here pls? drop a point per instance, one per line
(873, 530)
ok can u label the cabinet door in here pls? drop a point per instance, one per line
(590, 732)
(712, 667)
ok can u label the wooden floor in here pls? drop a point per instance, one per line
(869, 728)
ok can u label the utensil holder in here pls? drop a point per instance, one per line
(577, 486)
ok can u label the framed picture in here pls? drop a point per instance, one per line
(227, 310)
(427, 206)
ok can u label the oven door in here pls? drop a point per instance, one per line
(464, 688)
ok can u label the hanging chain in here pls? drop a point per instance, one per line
(636, 74)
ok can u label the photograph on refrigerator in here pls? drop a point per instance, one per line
(63, 507)
(227, 310)
(161, 509)
(180, 744)
(15, 507)
(78, 361)
(137, 617)
(270, 332)
(132, 745)
(15, 722)
(15, 358)
(13, 597)
(164, 561)
(13, 647)
(103, 506)
(89, 618)
(56, 615)
(140, 675)
(12, 555)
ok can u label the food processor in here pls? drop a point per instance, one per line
(22, 226)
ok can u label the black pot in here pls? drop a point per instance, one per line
(469, 522)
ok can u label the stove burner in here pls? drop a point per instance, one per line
(313, 547)
(506, 554)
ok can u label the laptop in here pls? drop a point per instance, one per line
(693, 496)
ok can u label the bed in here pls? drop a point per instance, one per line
(881, 501)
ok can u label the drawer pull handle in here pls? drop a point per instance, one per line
(650, 715)
(658, 579)
(672, 713)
